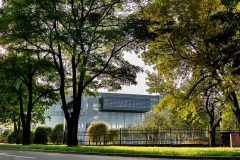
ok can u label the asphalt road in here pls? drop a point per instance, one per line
(29, 155)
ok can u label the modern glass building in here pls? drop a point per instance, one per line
(118, 110)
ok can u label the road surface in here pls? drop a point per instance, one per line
(29, 155)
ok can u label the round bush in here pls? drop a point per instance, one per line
(4, 136)
(10, 137)
(41, 134)
(96, 131)
(57, 134)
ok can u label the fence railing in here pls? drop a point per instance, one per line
(161, 137)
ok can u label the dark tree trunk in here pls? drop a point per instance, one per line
(72, 118)
(73, 121)
(232, 97)
(26, 133)
(212, 140)
(212, 132)
(16, 124)
(22, 116)
(210, 108)
(72, 133)
(26, 120)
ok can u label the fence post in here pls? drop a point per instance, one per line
(104, 140)
(89, 138)
(63, 137)
(171, 135)
(146, 137)
(159, 137)
(208, 137)
(120, 140)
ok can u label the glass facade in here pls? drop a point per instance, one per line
(118, 110)
(124, 104)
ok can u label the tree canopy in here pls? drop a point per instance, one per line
(84, 41)
(195, 55)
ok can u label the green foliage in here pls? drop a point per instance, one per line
(229, 121)
(176, 111)
(8, 136)
(84, 43)
(31, 137)
(41, 134)
(11, 138)
(196, 56)
(57, 134)
(112, 135)
(27, 72)
(172, 119)
(97, 131)
(4, 135)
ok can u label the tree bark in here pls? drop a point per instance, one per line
(16, 124)
(26, 120)
(73, 121)
(72, 133)
(212, 132)
(26, 133)
(22, 116)
(232, 97)
(210, 108)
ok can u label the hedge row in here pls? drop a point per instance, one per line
(40, 135)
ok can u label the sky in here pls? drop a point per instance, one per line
(141, 87)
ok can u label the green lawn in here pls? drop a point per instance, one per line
(166, 151)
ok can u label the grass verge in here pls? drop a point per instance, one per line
(164, 151)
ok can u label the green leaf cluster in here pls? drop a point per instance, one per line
(195, 55)
(41, 134)
(97, 131)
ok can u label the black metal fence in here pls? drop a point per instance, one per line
(161, 137)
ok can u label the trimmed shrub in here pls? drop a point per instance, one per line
(57, 134)
(10, 137)
(112, 135)
(97, 131)
(41, 134)
(31, 137)
(4, 136)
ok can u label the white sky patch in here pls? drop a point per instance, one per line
(141, 87)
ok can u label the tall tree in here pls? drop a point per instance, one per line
(227, 66)
(197, 37)
(197, 46)
(86, 40)
(33, 94)
(9, 108)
